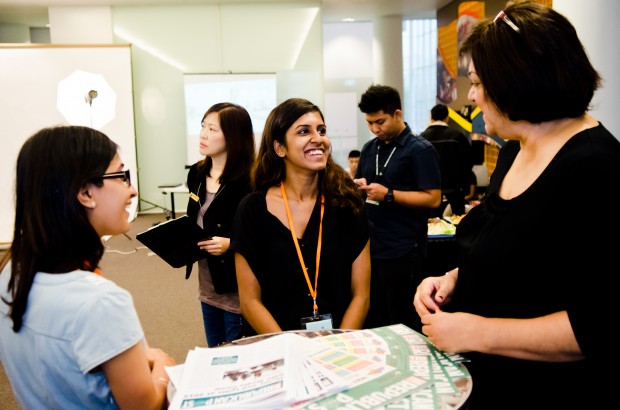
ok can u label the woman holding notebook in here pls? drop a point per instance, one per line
(216, 185)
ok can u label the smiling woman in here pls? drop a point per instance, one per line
(314, 269)
(94, 340)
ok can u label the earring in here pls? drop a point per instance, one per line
(93, 204)
(280, 153)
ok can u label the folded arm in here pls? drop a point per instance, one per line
(547, 338)
(137, 378)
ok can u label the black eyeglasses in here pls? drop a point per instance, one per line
(504, 17)
(124, 175)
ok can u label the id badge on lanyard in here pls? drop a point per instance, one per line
(318, 322)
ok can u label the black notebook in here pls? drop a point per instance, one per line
(175, 241)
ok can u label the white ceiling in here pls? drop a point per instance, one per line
(34, 12)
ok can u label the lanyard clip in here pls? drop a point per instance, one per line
(315, 310)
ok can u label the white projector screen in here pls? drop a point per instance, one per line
(255, 92)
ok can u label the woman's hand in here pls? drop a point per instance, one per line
(434, 292)
(158, 357)
(453, 332)
(218, 245)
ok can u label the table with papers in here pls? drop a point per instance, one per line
(390, 367)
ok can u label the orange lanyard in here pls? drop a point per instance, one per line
(313, 292)
(96, 271)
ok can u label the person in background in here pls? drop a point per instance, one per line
(302, 238)
(70, 338)
(353, 159)
(216, 185)
(521, 302)
(399, 176)
(458, 178)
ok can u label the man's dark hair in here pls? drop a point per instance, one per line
(354, 153)
(380, 98)
(439, 112)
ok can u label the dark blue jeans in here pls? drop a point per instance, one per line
(221, 326)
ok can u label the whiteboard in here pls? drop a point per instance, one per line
(29, 85)
(254, 92)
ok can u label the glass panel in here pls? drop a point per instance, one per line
(419, 71)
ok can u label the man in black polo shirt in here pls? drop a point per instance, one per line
(456, 159)
(399, 175)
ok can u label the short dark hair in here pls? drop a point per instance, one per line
(380, 98)
(439, 112)
(355, 153)
(540, 72)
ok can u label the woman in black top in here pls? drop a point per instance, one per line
(304, 220)
(531, 294)
(216, 185)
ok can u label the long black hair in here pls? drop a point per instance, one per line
(269, 169)
(52, 232)
(236, 126)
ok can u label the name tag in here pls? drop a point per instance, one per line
(317, 323)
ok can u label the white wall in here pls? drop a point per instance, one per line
(348, 70)
(170, 41)
(388, 54)
(80, 25)
(596, 22)
(14, 33)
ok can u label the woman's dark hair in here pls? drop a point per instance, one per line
(52, 232)
(236, 125)
(540, 72)
(269, 169)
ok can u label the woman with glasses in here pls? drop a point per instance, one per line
(533, 293)
(70, 338)
(217, 184)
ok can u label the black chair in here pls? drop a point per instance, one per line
(449, 162)
(451, 167)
